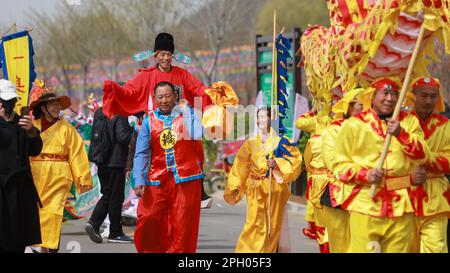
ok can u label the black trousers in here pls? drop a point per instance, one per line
(448, 233)
(112, 182)
(18, 249)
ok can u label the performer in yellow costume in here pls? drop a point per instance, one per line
(386, 222)
(317, 176)
(307, 122)
(250, 176)
(317, 182)
(310, 122)
(336, 222)
(63, 160)
(431, 197)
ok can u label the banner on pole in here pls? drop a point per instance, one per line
(16, 60)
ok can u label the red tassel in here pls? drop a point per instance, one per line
(325, 248)
(310, 232)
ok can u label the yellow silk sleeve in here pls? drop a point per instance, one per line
(78, 160)
(328, 144)
(218, 117)
(238, 174)
(412, 139)
(439, 162)
(342, 164)
(290, 168)
(307, 122)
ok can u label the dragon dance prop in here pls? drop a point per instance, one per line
(317, 50)
(393, 38)
(381, 42)
(319, 60)
(370, 39)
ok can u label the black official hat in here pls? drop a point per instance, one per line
(164, 41)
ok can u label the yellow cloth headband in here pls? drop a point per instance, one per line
(341, 107)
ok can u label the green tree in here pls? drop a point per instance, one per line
(292, 13)
(51, 40)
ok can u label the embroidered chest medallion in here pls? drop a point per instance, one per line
(168, 139)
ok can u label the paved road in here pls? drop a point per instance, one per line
(220, 227)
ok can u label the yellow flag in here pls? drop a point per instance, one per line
(16, 54)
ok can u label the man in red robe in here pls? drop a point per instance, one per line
(137, 95)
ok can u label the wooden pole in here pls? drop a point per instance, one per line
(274, 63)
(274, 113)
(398, 107)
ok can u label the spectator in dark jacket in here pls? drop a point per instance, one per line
(131, 152)
(112, 182)
(132, 147)
(19, 213)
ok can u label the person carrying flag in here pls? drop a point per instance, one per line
(249, 176)
(264, 167)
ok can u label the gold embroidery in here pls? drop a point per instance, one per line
(168, 139)
(50, 157)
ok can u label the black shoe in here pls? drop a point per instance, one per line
(94, 234)
(205, 196)
(122, 239)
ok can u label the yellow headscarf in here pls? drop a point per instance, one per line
(341, 107)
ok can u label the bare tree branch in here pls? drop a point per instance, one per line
(220, 21)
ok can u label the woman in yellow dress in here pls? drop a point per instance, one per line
(266, 198)
(63, 160)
